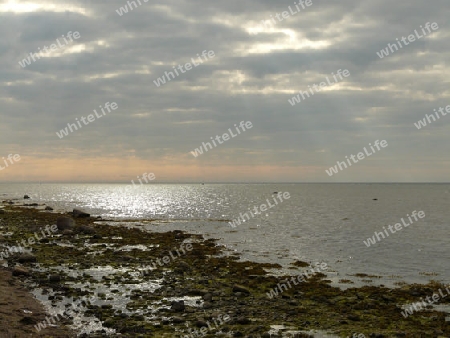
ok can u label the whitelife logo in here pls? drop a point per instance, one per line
(29, 241)
(188, 66)
(261, 208)
(123, 10)
(411, 38)
(225, 137)
(296, 99)
(285, 14)
(167, 259)
(75, 306)
(146, 177)
(12, 159)
(90, 118)
(360, 155)
(193, 333)
(423, 123)
(300, 278)
(397, 226)
(53, 47)
(422, 304)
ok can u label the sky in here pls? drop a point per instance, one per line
(257, 67)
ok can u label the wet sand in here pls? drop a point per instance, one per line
(20, 311)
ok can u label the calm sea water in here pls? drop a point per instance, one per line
(319, 223)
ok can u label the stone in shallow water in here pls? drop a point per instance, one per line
(178, 306)
(64, 223)
(79, 213)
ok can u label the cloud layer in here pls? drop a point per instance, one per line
(255, 71)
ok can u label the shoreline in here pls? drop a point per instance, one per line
(20, 310)
(110, 266)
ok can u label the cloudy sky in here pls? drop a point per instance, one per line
(256, 70)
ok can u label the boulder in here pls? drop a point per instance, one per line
(182, 267)
(178, 306)
(178, 320)
(64, 223)
(25, 197)
(243, 321)
(48, 208)
(27, 320)
(67, 232)
(54, 278)
(80, 214)
(207, 297)
(85, 229)
(201, 323)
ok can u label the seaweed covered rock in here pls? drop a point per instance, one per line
(65, 223)
(80, 214)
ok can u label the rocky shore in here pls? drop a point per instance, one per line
(95, 278)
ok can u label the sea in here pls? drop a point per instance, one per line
(326, 223)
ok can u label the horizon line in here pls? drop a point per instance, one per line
(222, 182)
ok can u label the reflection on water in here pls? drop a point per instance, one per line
(320, 222)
